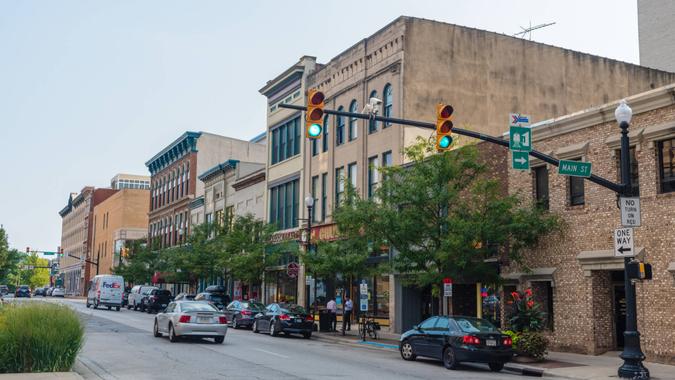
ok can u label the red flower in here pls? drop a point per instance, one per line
(515, 295)
(528, 292)
(530, 303)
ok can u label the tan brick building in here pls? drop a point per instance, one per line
(120, 218)
(574, 273)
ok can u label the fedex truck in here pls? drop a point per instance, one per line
(106, 290)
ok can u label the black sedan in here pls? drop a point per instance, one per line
(22, 291)
(242, 313)
(286, 318)
(156, 300)
(457, 339)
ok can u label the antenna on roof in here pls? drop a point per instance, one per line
(529, 30)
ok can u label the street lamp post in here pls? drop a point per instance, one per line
(309, 202)
(632, 354)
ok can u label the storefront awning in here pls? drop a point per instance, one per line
(536, 274)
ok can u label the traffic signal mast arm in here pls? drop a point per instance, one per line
(615, 187)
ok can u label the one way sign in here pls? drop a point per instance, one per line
(623, 242)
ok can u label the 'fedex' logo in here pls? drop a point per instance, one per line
(114, 285)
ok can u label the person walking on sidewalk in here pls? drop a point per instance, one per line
(347, 315)
(331, 306)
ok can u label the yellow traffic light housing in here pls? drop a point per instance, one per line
(314, 114)
(443, 127)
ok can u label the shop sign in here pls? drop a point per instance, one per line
(285, 236)
(326, 232)
(292, 270)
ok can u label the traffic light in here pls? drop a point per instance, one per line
(314, 114)
(443, 127)
(27, 249)
(639, 270)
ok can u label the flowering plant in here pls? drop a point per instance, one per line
(527, 314)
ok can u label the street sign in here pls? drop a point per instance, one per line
(292, 270)
(27, 267)
(49, 253)
(574, 168)
(363, 296)
(518, 120)
(447, 290)
(520, 139)
(520, 160)
(630, 211)
(623, 242)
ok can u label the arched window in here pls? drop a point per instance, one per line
(372, 123)
(388, 103)
(339, 128)
(324, 142)
(353, 122)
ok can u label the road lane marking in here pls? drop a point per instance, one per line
(272, 353)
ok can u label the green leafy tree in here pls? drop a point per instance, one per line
(142, 262)
(444, 216)
(39, 275)
(9, 261)
(198, 258)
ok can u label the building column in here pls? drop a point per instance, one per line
(302, 288)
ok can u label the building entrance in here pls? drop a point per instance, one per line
(619, 307)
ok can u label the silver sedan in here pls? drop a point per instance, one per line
(193, 319)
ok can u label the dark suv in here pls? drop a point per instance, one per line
(215, 294)
(22, 291)
(156, 300)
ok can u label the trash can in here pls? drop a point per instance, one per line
(324, 321)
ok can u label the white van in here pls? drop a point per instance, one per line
(106, 290)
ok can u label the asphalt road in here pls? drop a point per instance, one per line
(120, 345)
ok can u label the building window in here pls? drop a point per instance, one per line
(541, 186)
(229, 216)
(373, 175)
(324, 140)
(209, 218)
(286, 141)
(284, 205)
(351, 173)
(666, 150)
(387, 159)
(576, 190)
(315, 185)
(353, 122)
(372, 123)
(388, 103)
(339, 185)
(339, 128)
(324, 195)
(634, 176)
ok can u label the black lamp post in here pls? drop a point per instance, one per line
(632, 354)
(309, 202)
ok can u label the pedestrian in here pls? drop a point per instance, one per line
(331, 306)
(347, 315)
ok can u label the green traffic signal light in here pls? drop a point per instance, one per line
(314, 130)
(445, 142)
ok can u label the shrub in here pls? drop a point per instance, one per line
(527, 314)
(533, 344)
(39, 337)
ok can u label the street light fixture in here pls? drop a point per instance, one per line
(632, 354)
(309, 202)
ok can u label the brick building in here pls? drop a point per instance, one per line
(574, 273)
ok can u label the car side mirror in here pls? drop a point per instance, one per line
(416, 328)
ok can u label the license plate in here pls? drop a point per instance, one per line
(298, 320)
(491, 342)
(163, 305)
(204, 320)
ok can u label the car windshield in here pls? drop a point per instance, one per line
(197, 306)
(475, 325)
(255, 306)
(292, 308)
(166, 293)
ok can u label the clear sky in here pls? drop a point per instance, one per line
(89, 89)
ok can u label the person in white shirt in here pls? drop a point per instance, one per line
(347, 315)
(332, 310)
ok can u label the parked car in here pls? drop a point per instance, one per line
(242, 313)
(136, 295)
(4, 289)
(191, 319)
(39, 292)
(59, 292)
(22, 291)
(285, 317)
(185, 297)
(215, 296)
(457, 339)
(125, 296)
(105, 290)
(156, 300)
(49, 290)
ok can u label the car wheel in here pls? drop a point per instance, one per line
(148, 309)
(117, 308)
(109, 307)
(496, 367)
(95, 304)
(128, 306)
(87, 305)
(135, 306)
(273, 329)
(219, 339)
(407, 351)
(155, 330)
(449, 358)
(172, 335)
(255, 327)
(307, 335)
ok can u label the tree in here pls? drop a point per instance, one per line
(142, 262)
(198, 258)
(9, 260)
(36, 277)
(444, 216)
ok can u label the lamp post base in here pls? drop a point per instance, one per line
(632, 356)
(633, 370)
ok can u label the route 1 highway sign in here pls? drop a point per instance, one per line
(623, 242)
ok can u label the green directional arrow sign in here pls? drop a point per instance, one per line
(520, 160)
(574, 168)
(520, 139)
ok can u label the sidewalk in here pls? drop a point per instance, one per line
(557, 364)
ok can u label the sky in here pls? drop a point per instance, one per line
(89, 89)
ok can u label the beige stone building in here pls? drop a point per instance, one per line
(121, 218)
(411, 64)
(575, 274)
